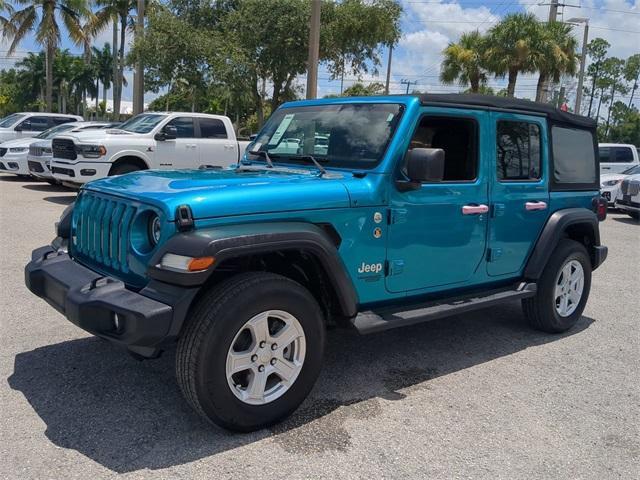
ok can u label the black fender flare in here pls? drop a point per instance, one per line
(225, 242)
(553, 232)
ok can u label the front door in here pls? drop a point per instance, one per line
(437, 233)
(180, 152)
(519, 190)
(216, 149)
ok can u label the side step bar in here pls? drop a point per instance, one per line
(392, 317)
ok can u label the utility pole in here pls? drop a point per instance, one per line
(138, 78)
(314, 50)
(583, 58)
(408, 83)
(386, 85)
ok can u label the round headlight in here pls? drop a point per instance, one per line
(155, 229)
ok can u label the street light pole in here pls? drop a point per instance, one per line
(583, 58)
(314, 50)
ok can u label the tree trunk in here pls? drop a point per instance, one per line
(120, 77)
(114, 88)
(633, 90)
(594, 79)
(42, 97)
(613, 96)
(599, 105)
(542, 79)
(475, 84)
(511, 86)
(49, 54)
(257, 99)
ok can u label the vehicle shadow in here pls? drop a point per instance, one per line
(46, 187)
(129, 415)
(627, 220)
(61, 200)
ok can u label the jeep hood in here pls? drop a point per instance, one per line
(218, 193)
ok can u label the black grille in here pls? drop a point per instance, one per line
(624, 187)
(3, 151)
(63, 148)
(35, 167)
(2, 167)
(63, 171)
(36, 151)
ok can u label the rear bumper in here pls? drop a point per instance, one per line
(141, 321)
(600, 253)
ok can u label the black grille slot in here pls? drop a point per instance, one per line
(2, 166)
(63, 148)
(35, 167)
(64, 171)
(3, 151)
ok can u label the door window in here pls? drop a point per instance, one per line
(184, 127)
(573, 156)
(457, 137)
(61, 120)
(615, 155)
(212, 128)
(518, 151)
(36, 124)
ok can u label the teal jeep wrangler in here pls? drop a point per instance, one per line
(370, 213)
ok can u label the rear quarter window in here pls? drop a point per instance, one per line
(574, 157)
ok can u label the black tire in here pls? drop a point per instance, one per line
(216, 319)
(52, 182)
(540, 310)
(634, 215)
(124, 167)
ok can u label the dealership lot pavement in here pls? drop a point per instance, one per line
(474, 396)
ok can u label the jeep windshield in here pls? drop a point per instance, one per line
(337, 135)
(142, 123)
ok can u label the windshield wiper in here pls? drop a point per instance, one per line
(311, 158)
(264, 154)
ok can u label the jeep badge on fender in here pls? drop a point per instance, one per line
(460, 201)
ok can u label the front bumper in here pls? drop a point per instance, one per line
(79, 171)
(15, 163)
(628, 205)
(40, 167)
(142, 321)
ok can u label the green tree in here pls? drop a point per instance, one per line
(554, 54)
(464, 62)
(42, 17)
(359, 89)
(632, 74)
(5, 25)
(597, 51)
(102, 61)
(625, 124)
(31, 72)
(510, 44)
(613, 69)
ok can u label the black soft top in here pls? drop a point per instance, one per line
(509, 104)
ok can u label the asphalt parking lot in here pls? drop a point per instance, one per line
(475, 396)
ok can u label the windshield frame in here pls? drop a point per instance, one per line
(16, 117)
(341, 164)
(132, 120)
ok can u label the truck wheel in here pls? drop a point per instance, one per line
(122, 168)
(251, 351)
(563, 289)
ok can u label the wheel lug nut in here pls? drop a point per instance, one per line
(262, 344)
(274, 346)
(261, 368)
(254, 358)
(273, 361)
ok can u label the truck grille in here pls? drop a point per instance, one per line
(101, 230)
(36, 151)
(63, 148)
(629, 187)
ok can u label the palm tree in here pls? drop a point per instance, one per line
(31, 73)
(103, 65)
(43, 17)
(510, 43)
(464, 62)
(5, 24)
(555, 54)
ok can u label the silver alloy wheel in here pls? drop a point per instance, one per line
(569, 286)
(265, 357)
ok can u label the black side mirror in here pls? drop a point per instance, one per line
(168, 132)
(423, 165)
(26, 125)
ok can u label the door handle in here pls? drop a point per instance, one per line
(535, 206)
(474, 209)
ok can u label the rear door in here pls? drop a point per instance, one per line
(615, 159)
(216, 147)
(519, 190)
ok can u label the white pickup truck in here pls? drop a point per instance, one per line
(617, 157)
(152, 140)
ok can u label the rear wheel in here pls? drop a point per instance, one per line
(563, 289)
(634, 215)
(251, 351)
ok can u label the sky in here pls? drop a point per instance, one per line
(429, 25)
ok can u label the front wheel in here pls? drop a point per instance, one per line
(563, 289)
(251, 351)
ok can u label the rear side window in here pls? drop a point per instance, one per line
(212, 128)
(36, 124)
(184, 127)
(518, 149)
(615, 154)
(574, 159)
(61, 120)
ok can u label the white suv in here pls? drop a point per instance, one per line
(629, 200)
(29, 124)
(152, 140)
